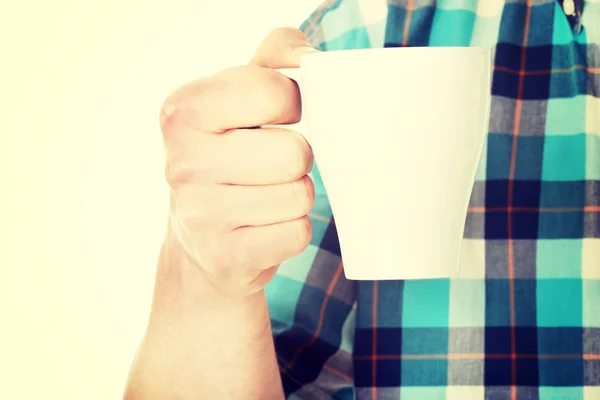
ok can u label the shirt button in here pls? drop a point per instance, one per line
(569, 7)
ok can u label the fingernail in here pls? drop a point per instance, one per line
(307, 50)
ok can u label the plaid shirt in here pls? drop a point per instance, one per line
(523, 319)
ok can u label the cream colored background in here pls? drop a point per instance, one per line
(83, 206)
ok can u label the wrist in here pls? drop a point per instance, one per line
(182, 288)
(196, 333)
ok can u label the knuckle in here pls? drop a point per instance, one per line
(176, 108)
(183, 165)
(169, 114)
(176, 172)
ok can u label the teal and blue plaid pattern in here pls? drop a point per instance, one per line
(523, 320)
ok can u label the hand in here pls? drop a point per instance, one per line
(240, 193)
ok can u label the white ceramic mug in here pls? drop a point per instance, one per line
(397, 135)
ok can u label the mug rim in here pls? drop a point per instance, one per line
(438, 51)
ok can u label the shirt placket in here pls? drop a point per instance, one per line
(573, 9)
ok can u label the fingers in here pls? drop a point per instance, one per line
(252, 248)
(239, 97)
(232, 207)
(265, 156)
(243, 97)
(282, 48)
(241, 193)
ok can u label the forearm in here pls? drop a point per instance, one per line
(202, 345)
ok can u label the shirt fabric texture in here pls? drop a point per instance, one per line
(523, 319)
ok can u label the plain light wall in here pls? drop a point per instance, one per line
(83, 206)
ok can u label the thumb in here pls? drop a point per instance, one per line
(282, 48)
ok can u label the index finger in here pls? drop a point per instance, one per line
(244, 97)
(239, 97)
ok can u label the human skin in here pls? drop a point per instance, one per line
(240, 198)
